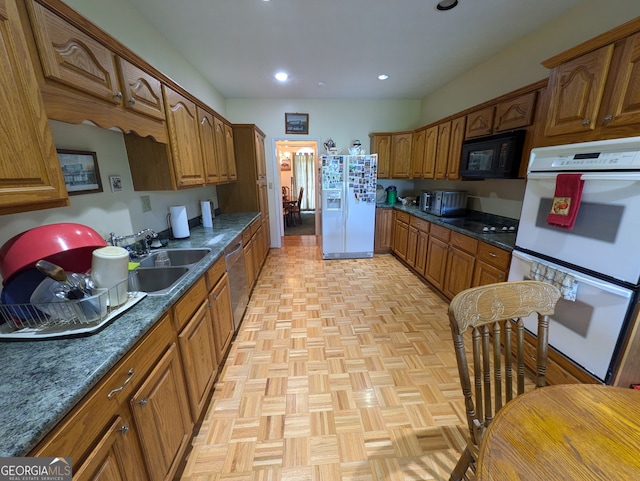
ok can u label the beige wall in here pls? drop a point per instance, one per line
(520, 64)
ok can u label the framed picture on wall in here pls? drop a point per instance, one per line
(296, 123)
(80, 171)
(285, 165)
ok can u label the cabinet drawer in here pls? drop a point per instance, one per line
(493, 255)
(463, 242)
(440, 232)
(76, 433)
(420, 224)
(189, 302)
(255, 225)
(215, 272)
(246, 235)
(403, 216)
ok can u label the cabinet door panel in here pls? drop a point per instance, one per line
(73, 58)
(459, 272)
(197, 347)
(442, 150)
(161, 413)
(576, 89)
(221, 149)
(142, 92)
(625, 109)
(480, 122)
(515, 113)
(116, 456)
(381, 145)
(484, 274)
(430, 153)
(421, 252)
(412, 245)
(207, 142)
(220, 299)
(183, 123)
(417, 153)
(230, 151)
(455, 148)
(436, 262)
(30, 173)
(401, 156)
(401, 239)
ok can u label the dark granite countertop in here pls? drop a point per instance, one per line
(43, 380)
(503, 241)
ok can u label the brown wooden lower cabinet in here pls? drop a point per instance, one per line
(161, 411)
(437, 251)
(116, 455)
(492, 265)
(383, 237)
(401, 235)
(220, 301)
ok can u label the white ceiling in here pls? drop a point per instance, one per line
(336, 48)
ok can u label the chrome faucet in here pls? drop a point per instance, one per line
(137, 244)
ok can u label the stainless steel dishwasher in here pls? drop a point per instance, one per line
(234, 257)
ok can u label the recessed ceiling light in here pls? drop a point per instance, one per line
(282, 76)
(446, 5)
(383, 76)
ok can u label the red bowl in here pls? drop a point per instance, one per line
(66, 244)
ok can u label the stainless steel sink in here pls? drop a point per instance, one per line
(156, 280)
(177, 257)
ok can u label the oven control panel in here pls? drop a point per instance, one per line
(614, 154)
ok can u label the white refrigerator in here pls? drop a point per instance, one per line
(348, 192)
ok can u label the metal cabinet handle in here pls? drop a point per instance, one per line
(492, 254)
(608, 118)
(132, 101)
(118, 95)
(124, 429)
(586, 122)
(143, 401)
(124, 384)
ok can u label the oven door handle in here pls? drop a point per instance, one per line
(634, 176)
(580, 277)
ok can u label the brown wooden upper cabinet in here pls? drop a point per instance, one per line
(401, 155)
(142, 93)
(381, 144)
(515, 113)
(576, 89)
(30, 173)
(480, 122)
(73, 58)
(593, 89)
(82, 79)
(183, 124)
(208, 145)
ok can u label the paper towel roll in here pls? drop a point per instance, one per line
(205, 205)
(179, 221)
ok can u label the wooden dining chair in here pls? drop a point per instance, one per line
(296, 206)
(491, 317)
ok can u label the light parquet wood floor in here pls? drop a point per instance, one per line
(341, 370)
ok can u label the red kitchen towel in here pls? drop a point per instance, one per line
(566, 202)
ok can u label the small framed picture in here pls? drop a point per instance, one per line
(116, 183)
(285, 165)
(296, 123)
(80, 171)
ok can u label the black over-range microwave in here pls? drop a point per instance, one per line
(492, 157)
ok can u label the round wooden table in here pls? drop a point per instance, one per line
(564, 432)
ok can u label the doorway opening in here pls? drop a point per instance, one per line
(297, 162)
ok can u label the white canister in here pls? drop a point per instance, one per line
(110, 268)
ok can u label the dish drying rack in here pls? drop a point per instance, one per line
(66, 318)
